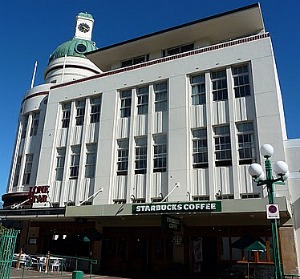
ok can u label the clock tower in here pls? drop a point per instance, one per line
(84, 26)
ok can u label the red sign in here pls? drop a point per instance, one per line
(38, 194)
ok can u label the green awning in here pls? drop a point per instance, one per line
(249, 243)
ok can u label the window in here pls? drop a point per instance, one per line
(198, 90)
(222, 145)
(27, 169)
(219, 85)
(200, 154)
(246, 142)
(24, 126)
(75, 159)
(142, 99)
(125, 98)
(35, 123)
(241, 81)
(161, 96)
(17, 171)
(178, 49)
(201, 198)
(140, 155)
(80, 109)
(250, 195)
(123, 150)
(225, 197)
(135, 60)
(66, 111)
(160, 153)
(90, 165)
(119, 201)
(95, 110)
(60, 163)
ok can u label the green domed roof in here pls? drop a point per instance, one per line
(75, 47)
(85, 15)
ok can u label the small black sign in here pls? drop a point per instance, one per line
(170, 223)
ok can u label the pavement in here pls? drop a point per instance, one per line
(33, 274)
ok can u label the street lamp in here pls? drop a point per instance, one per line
(261, 178)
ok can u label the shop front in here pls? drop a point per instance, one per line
(190, 239)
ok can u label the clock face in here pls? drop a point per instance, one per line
(84, 27)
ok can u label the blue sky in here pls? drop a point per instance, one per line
(32, 29)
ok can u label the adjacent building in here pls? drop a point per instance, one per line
(144, 147)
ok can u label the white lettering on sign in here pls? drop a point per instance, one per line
(175, 207)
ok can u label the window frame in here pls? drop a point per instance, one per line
(91, 160)
(219, 85)
(161, 96)
(125, 103)
(160, 153)
(35, 123)
(75, 161)
(178, 49)
(60, 163)
(222, 140)
(250, 146)
(17, 171)
(66, 115)
(241, 81)
(80, 112)
(140, 155)
(142, 100)
(198, 96)
(201, 149)
(95, 105)
(122, 155)
(27, 169)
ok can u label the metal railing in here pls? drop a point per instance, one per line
(7, 246)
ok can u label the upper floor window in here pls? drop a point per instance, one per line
(141, 155)
(219, 85)
(246, 142)
(24, 126)
(91, 156)
(222, 145)
(200, 153)
(135, 60)
(161, 96)
(17, 171)
(35, 123)
(198, 89)
(95, 110)
(123, 150)
(160, 153)
(178, 49)
(241, 81)
(80, 110)
(125, 97)
(66, 112)
(142, 99)
(60, 163)
(75, 160)
(27, 169)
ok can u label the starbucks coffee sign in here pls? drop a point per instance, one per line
(177, 207)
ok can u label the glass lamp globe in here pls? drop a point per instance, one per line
(281, 168)
(262, 176)
(267, 150)
(255, 170)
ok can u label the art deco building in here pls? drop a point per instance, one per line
(145, 146)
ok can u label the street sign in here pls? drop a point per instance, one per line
(272, 211)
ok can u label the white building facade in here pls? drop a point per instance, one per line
(165, 125)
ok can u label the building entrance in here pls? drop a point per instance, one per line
(136, 251)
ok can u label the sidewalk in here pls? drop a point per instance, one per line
(32, 274)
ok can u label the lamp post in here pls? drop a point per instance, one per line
(261, 178)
